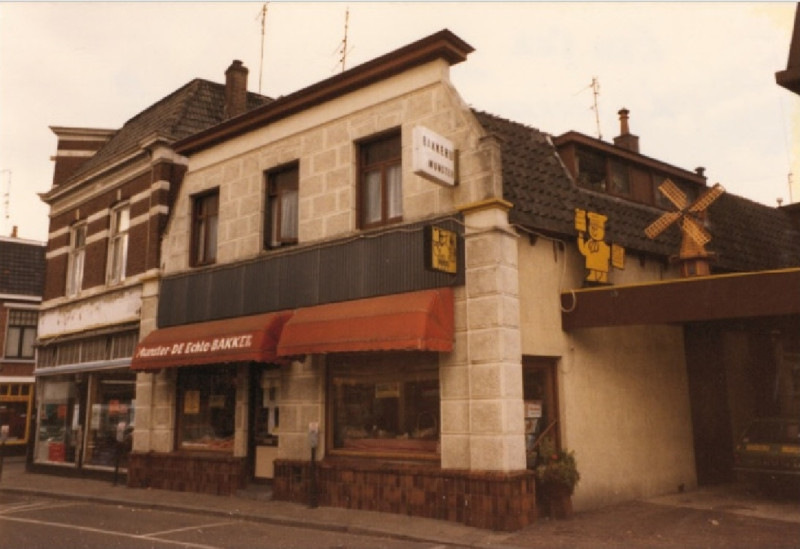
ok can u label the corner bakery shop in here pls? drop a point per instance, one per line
(229, 402)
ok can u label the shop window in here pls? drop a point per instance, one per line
(59, 431)
(205, 217)
(111, 414)
(15, 406)
(385, 404)
(206, 408)
(380, 181)
(118, 244)
(77, 257)
(21, 334)
(541, 404)
(280, 226)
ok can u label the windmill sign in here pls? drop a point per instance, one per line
(693, 255)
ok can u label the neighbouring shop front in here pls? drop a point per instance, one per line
(85, 402)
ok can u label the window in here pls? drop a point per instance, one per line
(206, 408)
(205, 215)
(21, 334)
(380, 181)
(111, 412)
(591, 170)
(118, 244)
(280, 224)
(620, 181)
(77, 256)
(385, 404)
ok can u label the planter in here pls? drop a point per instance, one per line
(558, 498)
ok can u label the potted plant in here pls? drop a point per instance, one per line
(557, 475)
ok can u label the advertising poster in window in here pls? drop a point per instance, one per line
(191, 402)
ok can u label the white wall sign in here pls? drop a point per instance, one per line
(434, 157)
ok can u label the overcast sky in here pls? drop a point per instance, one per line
(698, 78)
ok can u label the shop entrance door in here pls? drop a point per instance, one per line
(264, 421)
(541, 404)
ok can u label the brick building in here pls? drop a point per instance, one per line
(21, 283)
(111, 195)
(370, 268)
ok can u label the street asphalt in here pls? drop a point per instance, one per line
(709, 506)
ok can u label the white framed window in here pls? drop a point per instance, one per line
(21, 334)
(77, 258)
(118, 244)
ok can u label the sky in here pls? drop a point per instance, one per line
(697, 78)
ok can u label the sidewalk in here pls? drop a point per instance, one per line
(651, 520)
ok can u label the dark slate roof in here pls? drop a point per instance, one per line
(192, 108)
(21, 267)
(747, 236)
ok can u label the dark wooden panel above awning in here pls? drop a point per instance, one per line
(720, 297)
(410, 321)
(242, 339)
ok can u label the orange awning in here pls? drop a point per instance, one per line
(411, 321)
(242, 339)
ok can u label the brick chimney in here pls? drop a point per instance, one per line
(235, 89)
(625, 139)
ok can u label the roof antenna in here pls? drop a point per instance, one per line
(7, 194)
(263, 15)
(595, 108)
(344, 51)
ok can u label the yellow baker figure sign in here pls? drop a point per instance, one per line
(596, 251)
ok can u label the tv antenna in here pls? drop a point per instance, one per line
(263, 15)
(596, 93)
(6, 189)
(343, 48)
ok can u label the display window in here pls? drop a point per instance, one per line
(385, 404)
(110, 419)
(59, 431)
(206, 408)
(15, 409)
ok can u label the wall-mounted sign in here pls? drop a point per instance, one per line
(441, 249)
(599, 255)
(197, 346)
(434, 157)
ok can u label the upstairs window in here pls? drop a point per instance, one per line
(619, 178)
(280, 224)
(21, 334)
(118, 244)
(76, 260)
(205, 217)
(380, 181)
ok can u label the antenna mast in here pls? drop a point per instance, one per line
(6, 194)
(595, 108)
(263, 16)
(343, 59)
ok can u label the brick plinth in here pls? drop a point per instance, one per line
(186, 472)
(490, 500)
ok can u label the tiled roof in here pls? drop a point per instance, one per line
(747, 236)
(21, 267)
(194, 107)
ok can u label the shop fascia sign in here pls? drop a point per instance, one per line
(197, 346)
(434, 157)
